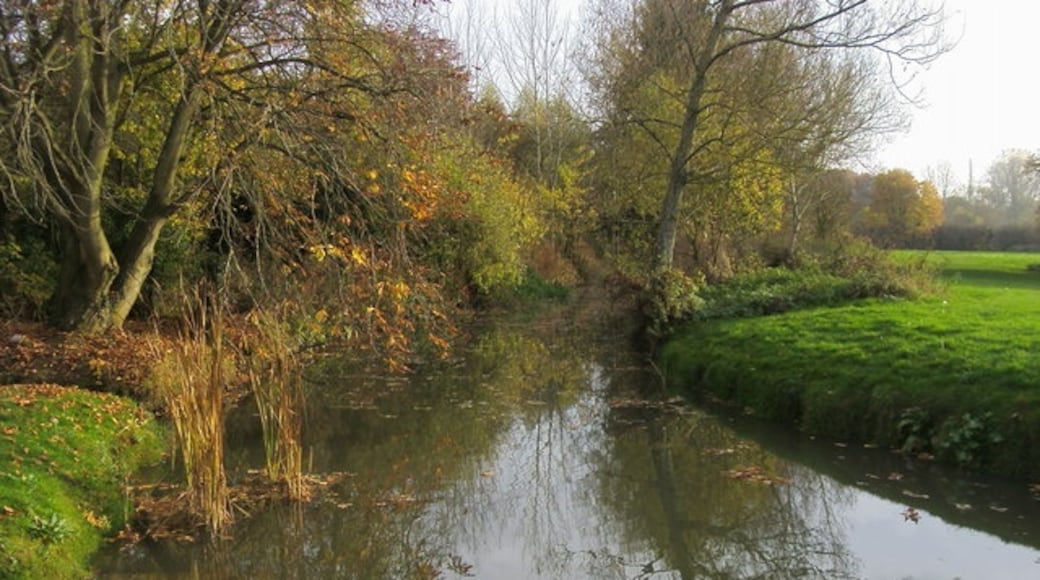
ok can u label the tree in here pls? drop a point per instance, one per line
(1013, 188)
(72, 71)
(696, 42)
(944, 179)
(220, 84)
(902, 209)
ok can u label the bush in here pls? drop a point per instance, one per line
(27, 275)
(853, 270)
(670, 298)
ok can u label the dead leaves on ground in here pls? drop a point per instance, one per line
(43, 354)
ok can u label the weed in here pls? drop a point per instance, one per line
(966, 439)
(670, 298)
(914, 430)
(50, 529)
(534, 287)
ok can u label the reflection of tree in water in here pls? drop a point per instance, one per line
(514, 448)
(542, 470)
(667, 480)
(430, 461)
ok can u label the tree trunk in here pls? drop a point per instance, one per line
(797, 211)
(87, 272)
(89, 266)
(139, 255)
(668, 227)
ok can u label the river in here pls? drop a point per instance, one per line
(548, 449)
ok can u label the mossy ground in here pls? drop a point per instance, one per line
(66, 456)
(954, 375)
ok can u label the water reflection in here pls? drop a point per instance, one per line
(531, 457)
(711, 522)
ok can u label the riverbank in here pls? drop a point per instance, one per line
(952, 377)
(67, 456)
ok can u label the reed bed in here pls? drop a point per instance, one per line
(275, 378)
(190, 378)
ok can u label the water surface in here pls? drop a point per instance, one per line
(548, 450)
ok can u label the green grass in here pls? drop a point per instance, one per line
(65, 457)
(956, 375)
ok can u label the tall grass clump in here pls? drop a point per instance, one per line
(275, 378)
(190, 379)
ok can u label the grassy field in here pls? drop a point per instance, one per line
(65, 457)
(955, 375)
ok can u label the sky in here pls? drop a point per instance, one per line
(981, 98)
(976, 101)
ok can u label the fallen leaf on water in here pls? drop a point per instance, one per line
(909, 493)
(755, 474)
(488, 473)
(895, 476)
(998, 509)
(911, 515)
(962, 506)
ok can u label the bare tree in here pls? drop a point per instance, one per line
(942, 176)
(532, 46)
(468, 24)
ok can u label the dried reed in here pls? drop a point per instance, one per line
(190, 378)
(274, 373)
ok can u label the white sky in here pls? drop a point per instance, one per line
(982, 97)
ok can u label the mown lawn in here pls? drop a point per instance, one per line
(956, 375)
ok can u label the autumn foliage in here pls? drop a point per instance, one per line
(319, 158)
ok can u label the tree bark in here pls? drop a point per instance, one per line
(668, 227)
(90, 266)
(139, 255)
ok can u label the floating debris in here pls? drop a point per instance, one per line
(911, 515)
(755, 474)
(909, 493)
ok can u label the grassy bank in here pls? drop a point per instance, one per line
(955, 376)
(65, 458)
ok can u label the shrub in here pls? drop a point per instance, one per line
(670, 297)
(967, 439)
(27, 275)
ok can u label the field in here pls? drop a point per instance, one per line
(955, 375)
